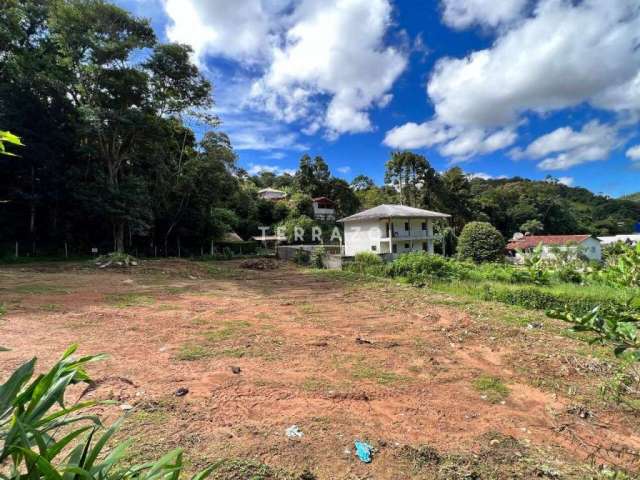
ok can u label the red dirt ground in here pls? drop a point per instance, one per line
(172, 324)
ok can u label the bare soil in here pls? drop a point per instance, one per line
(343, 359)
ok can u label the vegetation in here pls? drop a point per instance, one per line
(480, 242)
(43, 438)
(492, 389)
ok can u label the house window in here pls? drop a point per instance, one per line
(406, 246)
(424, 246)
(395, 248)
(424, 226)
(406, 226)
(373, 248)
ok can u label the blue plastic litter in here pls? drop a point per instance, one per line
(363, 451)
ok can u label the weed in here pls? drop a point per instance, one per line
(491, 388)
(190, 353)
(124, 300)
(362, 371)
(38, 289)
(3, 310)
(50, 307)
(229, 329)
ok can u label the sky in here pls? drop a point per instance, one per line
(501, 88)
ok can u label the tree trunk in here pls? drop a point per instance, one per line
(118, 237)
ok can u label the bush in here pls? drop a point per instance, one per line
(499, 272)
(316, 257)
(421, 267)
(301, 257)
(480, 242)
(367, 263)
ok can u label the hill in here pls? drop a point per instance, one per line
(634, 197)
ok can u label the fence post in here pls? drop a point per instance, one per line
(17, 249)
(66, 250)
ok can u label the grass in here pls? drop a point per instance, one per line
(492, 388)
(124, 300)
(363, 371)
(227, 331)
(3, 310)
(191, 353)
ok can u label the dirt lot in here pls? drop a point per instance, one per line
(441, 387)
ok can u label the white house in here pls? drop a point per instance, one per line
(324, 209)
(272, 194)
(388, 229)
(632, 239)
(576, 244)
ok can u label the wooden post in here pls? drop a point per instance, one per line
(66, 250)
(179, 252)
(212, 247)
(17, 249)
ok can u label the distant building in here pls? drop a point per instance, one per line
(324, 209)
(576, 244)
(272, 194)
(631, 239)
(390, 229)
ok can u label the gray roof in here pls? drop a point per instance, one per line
(393, 211)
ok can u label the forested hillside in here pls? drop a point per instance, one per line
(110, 159)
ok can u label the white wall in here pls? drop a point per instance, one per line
(361, 236)
(590, 248)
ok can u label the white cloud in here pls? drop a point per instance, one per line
(332, 48)
(484, 176)
(455, 142)
(560, 55)
(568, 181)
(323, 63)
(566, 147)
(461, 14)
(256, 168)
(563, 55)
(344, 170)
(634, 155)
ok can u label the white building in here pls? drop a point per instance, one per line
(272, 194)
(585, 245)
(324, 209)
(632, 239)
(390, 229)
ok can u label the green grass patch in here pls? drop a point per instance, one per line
(491, 388)
(50, 307)
(124, 300)
(363, 371)
(191, 353)
(3, 310)
(227, 331)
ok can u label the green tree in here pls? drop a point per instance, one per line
(532, 226)
(480, 242)
(362, 182)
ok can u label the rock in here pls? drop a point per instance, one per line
(363, 341)
(293, 432)
(535, 325)
(128, 281)
(126, 407)
(181, 392)
(236, 370)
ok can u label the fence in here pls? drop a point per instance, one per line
(288, 252)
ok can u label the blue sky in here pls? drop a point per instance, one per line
(501, 88)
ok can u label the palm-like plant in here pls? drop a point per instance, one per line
(43, 438)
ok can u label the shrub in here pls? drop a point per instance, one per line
(499, 272)
(301, 257)
(421, 267)
(367, 263)
(480, 242)
(315, 260)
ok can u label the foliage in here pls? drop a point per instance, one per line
(616, 326)
(301, 204)
(42, 437)
(10, 138)
(536, 267)
(480, 242)
(492, 388)
(532, 226)
(367, 263)
(116, 259)
(421, 267)
(302, 257)
(622, 269)
(317, 256)
(300, 229)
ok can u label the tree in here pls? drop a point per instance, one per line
(362, 182)
(312, 176)
(10, 138)
(532, 226)
(480, 242)
(413, 177)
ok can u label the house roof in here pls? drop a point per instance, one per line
(323, 199)
(532, 241)
(232, 237)
(393, 211)
(271, 190)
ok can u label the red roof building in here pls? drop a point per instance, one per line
(532, 241)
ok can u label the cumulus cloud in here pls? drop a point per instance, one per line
(344, 170)
(322, 63)
(484, 176)
(461, 14)
(563, 55)
(559, 55)
(565, 147)
(634, 154)
(568, 181)
(256, 168)
(455, 142)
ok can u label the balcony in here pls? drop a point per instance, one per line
(410, 235)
